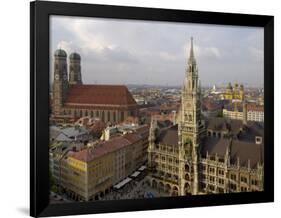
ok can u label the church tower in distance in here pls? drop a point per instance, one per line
(60, 83)
(190, 129)
(75, 69)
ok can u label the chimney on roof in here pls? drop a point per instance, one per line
(258, 140)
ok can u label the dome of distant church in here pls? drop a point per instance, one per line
(60, 53)
(229, 86)
(75, 56)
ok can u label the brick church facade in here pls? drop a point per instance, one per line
(71, 99)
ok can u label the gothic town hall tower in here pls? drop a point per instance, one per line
(191, 129)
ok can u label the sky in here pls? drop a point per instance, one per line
(155, 53)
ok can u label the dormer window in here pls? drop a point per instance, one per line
(258, 140)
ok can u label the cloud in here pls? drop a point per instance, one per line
(67, 46)
(256, 54)
(166, 56)
(126, 51)
(204, 52)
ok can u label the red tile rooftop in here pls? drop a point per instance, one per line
(255, 107)
(100, 95)
(105, 147)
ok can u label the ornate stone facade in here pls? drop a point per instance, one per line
(199, 156)
(234, 93)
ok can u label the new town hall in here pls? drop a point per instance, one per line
(199, 155)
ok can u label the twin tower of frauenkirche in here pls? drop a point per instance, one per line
(62, 80)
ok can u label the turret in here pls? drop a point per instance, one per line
(242, 93)
(75, 76)
(60, 83)
(191, 128)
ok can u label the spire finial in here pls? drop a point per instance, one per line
(191, 48)
(191, 55)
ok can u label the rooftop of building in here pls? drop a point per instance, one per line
(236, 106)
(68, 133)
(242, 151)
(241, 144)
(168, 136)
(224, 124)
(251, 130)
(113, 95)
(255, 107)
(104, 147)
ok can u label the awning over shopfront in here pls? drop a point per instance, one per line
(142, 168)
(122, 183)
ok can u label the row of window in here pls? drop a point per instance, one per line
(212, 170)
(232, 176)
(95, 114)
(232, 187)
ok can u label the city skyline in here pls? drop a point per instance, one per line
(145, 52)
(108, 143)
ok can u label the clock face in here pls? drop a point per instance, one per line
(56, 77)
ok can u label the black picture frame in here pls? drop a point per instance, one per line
(39, 106)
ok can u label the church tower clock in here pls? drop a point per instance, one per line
(191, 128)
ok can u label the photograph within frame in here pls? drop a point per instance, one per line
(139, 205)
(123, 128)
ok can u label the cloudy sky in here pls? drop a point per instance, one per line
(145, 52)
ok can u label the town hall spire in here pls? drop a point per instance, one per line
(191, 127)
(191, 59)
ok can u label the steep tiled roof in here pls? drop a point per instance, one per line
(88, 154)
(217, 123)
(251, 130)
(255, 107)
(224, 124)
(214, 146)
(168, 136)
(241, 150)
(112, 95)
(246, 151)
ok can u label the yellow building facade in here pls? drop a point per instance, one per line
(92, 172)
(235, 92)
